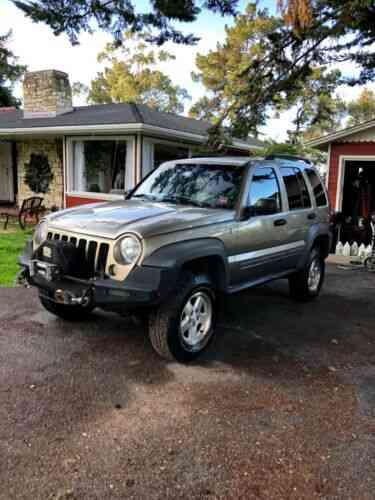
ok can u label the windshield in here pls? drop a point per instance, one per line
(212, 186)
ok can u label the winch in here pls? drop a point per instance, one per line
(60, 256)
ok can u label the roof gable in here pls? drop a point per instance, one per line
(367, 135)
(363, 132)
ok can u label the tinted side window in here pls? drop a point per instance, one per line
(319, 193)
(304, 190)
(264, 196)
(294, 188)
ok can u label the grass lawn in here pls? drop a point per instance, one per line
(12, 242)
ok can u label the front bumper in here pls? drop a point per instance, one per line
(145, 286)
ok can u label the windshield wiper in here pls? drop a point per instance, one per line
(149, 197)
(184, 200)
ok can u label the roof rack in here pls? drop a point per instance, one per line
(288, 157)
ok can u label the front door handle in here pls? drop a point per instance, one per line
(312, 216)
(279, 222)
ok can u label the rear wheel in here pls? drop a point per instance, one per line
(182, 328)
(306, 284)
(70, 313)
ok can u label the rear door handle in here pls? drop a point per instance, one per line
(280, 222)
(312, 216)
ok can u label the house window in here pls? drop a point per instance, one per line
(154, 153)
(101, 165)
(165, 152)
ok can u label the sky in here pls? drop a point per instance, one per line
(37, 47)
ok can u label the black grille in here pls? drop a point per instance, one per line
(92, 256)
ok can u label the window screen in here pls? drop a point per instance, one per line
(298, 196)
(264, 192)
(319, 193)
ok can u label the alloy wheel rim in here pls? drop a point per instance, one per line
(315, 274)
(196, 319)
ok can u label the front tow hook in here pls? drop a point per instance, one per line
(68, 298)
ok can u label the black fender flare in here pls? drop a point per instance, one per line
(176, 255)
(315, 232)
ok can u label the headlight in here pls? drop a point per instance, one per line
(41, 233)
(128, 250)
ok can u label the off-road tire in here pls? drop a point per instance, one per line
(164, 322)
(69, 313)
(298, 282)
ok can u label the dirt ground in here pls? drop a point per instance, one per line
(282, 406)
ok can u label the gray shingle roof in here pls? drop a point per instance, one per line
(111, 114)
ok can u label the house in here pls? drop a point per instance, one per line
(351, 169)
(95, 152)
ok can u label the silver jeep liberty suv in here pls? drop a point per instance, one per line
(191, 231)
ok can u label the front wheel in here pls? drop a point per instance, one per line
(182, 328)
(70, 313)
(305, 285)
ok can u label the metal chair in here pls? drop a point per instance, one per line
(31, 207)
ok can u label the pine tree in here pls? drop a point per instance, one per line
(132, 74)
(362, 109)
(10, 72)
(118, 16)
(254, 74)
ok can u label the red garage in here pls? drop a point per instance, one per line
(351, 175)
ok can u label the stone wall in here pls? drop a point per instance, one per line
(46, 93)
(52, 148)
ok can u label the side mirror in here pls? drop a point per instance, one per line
(263, 206)
(127, 193)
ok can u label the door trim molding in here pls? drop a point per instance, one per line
(265, 252)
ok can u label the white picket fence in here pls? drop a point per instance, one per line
(354, 250)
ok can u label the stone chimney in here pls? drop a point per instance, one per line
(46, 94)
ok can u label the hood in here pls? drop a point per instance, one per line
(111, 220)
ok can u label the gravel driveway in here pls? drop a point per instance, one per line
(282, 405)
